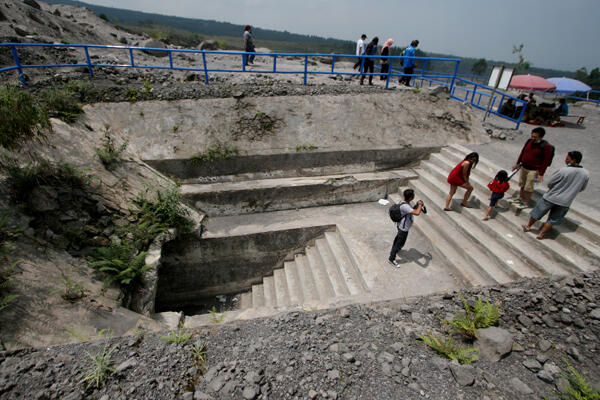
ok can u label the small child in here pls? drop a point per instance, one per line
(498, 186)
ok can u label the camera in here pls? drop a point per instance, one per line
(423, 208)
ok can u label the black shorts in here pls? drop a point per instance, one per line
(495, 197)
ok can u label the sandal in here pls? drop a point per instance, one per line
(465, 205)
(447, 209)
(525, 228)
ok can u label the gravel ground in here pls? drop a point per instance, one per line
(357, 352)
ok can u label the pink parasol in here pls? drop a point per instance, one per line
(531, 82)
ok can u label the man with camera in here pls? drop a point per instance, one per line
(404, 222)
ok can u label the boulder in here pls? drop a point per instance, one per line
(208, 45)
(463, 374)
(155, 44)
(494, 343)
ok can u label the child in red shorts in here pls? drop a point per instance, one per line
(498, 186)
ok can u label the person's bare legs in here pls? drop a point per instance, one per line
(527, 228)
(487, 213)
(449, 198)
(469, 189)
(525, 196)
(544, 230)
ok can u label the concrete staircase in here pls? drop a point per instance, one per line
(325, 273)
(497, 251)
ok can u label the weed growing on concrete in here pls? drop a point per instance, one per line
(178, 336)
(175, 128)
(165, 210)
(147, 86)
(447, 348)
(72, 291)
(82, 337)
(213, 154)
(109, 153)
(215, 316)
(132, 94)
(121, 262)
(482, 315)
(101, 367)
(304, 147)
(199, 353)
(579, 388)
(22, 117)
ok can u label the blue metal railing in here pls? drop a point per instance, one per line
(424, 75)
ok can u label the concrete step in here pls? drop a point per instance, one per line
(246, 300)
(576, 241)
(346, 263)
(306, 279)
(581, 218)
(258, 296)
(322, 282)
(269, 291)
(503, 247)
(546, 257)
(282, 294)
(466, 236)
(232, 198)
(290, 269)
(432, 227)
(331, 266)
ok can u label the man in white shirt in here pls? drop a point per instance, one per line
(360, 49)
(404, 224)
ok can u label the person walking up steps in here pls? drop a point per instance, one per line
(404, 223)
(563, 186)
(498, 186)
(536, 156)
(459, 177)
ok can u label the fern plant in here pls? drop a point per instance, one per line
(165, 210)
(482, 315)
(120, 262)
(448, 349)
(579, 388)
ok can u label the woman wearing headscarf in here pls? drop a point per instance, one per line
(248, 44)
(385, 62)
(369, 62)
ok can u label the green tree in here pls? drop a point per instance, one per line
(523, 65)
(479, 67)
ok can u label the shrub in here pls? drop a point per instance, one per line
(481, 315)
(165, 211)
(61, 102)
(22, 117)
(109, 153)
(121, 262)
(448, 349)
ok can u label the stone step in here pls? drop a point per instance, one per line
(232, 198)
(306, 279)
(577, 241)
(432, 228)
(468, 238)
(346, 263)
(502, 248)
(548, 258)
(246, 300)
(258, 296)
(321, 277)
(293, 280)
(334, 274)
(581, 218)
(281, 288)
(269, 291)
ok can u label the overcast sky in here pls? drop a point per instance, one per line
(560, 34)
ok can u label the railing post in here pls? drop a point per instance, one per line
(275, 63)
(244, 58)
(205, 70)
(455, 73)
(305, 69)
(474, 92)
(170, 59)
(131, 57)
(89, 61)
(332, 63)
(389, 74)
(13, 49)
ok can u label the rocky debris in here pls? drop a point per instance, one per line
(494, 343)
(360, 351)
(155, 44)
(208, 45)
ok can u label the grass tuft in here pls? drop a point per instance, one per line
(178, 336)
(101, 367)
(22, 117)
(448, 349)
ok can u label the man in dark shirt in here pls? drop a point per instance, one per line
(536, 156)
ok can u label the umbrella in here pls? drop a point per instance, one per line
(531, 82)
(568, 85)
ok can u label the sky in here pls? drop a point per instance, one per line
(559, 34)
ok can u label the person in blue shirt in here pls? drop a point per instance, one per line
(563, 109)
(409, 62)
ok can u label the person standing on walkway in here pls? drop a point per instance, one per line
(371, 50)
(385, 62)
(360, 49)
(409, 62)
(404, 224)
(459, 177)
(248, 44)
(536, 156)
(563, 186)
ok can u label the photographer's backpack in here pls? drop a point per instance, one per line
(395, 213)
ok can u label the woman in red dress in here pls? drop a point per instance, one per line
(459, 176)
